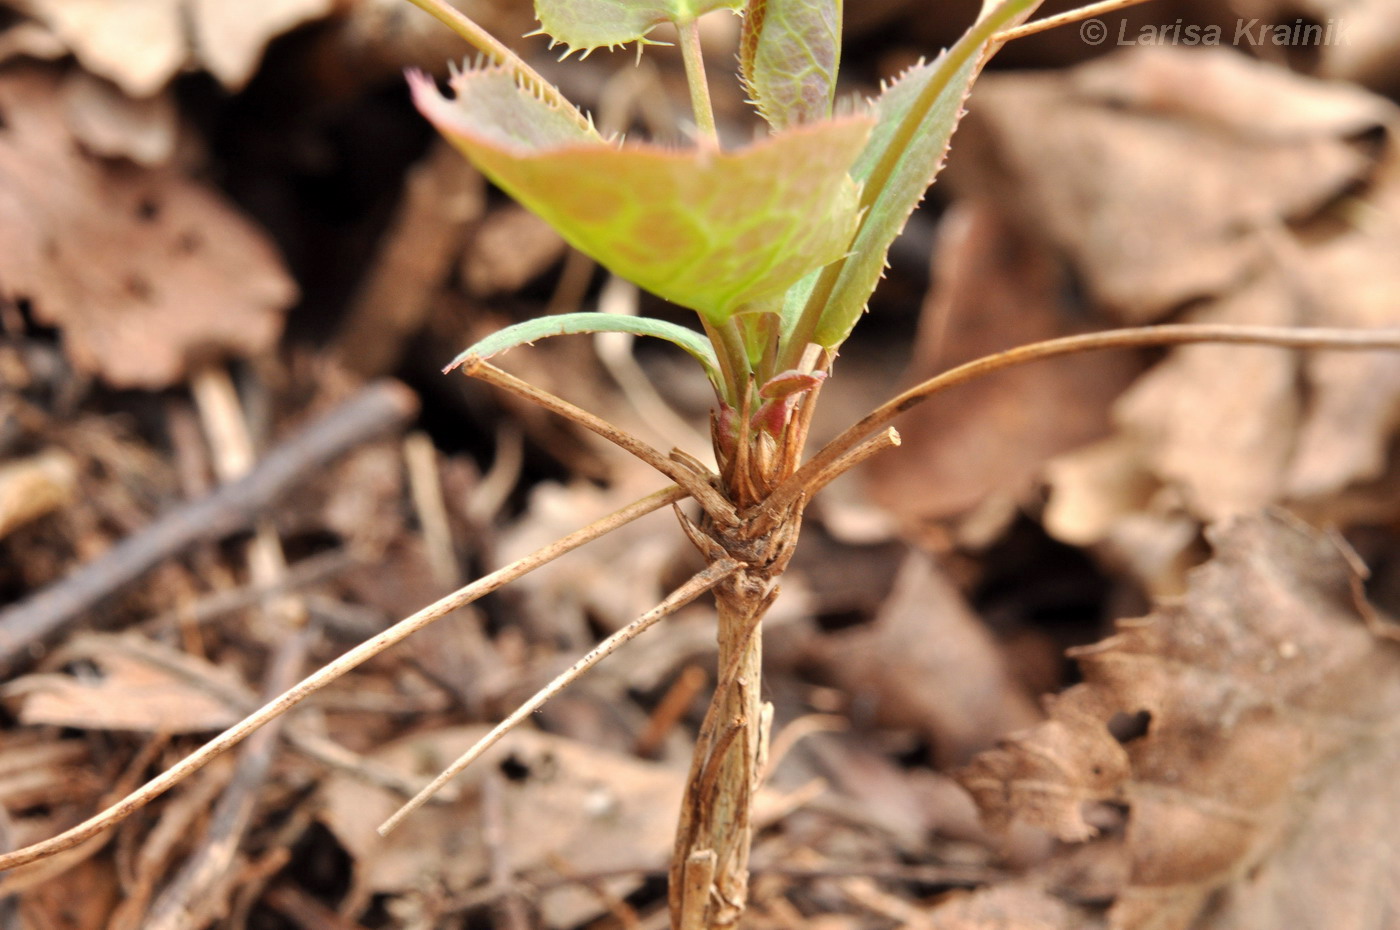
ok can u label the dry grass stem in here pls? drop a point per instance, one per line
(696, 484)
(332, 671)
(697, 585)
(1353, 340)
(1064, 19)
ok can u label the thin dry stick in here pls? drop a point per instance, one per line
(1135, 338)
(1064, 19)
(697, 485)
(425, 487)
(677, 599)
(329, 673)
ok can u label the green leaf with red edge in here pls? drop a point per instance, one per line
(708, 230)
(565, 324)
(584, 25)
(789, 53)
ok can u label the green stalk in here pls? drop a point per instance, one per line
(699, 85)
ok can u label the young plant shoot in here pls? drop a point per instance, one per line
(776, 246)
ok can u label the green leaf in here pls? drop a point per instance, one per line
(789, 53)
(566, 324)
(584, 25)
(708, 230)
(915, 119)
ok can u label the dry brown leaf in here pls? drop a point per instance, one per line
(229, 36)
(1221, 421)
(144, 271)
(137, 44)
(511, 247)
(1239, 428)
(140, 685)
(928, 663)
(1351, 278)
(1263, 784)
(109, 123)
(1360, 42)
(141, 44)
(1103, 495)
(991, 438)
(1019, 906)
(29, 39)
(1215, 431)
(1154, 169)
(563, 804)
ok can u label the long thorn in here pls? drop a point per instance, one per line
(329, 673)
(677, 599)
(695, 485)
(1355, 340)
(1064, 19)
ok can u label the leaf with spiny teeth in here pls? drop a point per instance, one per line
(713, 231)
(789, 53)
(585, 25)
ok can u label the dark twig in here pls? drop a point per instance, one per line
(29, 626)
(309, 571)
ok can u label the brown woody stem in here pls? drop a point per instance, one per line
(710, 866)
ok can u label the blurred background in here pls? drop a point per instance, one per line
(234, 259)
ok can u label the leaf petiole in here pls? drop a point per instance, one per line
(707, 135)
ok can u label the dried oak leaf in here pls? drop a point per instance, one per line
(1262, 794)
(144, 270)
(1154, 169)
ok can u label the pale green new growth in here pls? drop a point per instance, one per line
(916, 118)
(712, 231)
(789, 54)
(566, 324)
(585, 25)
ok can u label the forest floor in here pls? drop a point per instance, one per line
(1107, 642)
